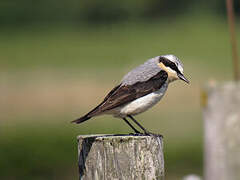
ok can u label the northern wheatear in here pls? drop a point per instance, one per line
(139, 90)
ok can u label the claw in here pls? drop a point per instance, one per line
(136, 134)
(152, 134)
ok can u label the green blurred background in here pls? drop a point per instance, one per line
(59, 58)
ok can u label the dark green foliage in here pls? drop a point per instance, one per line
(220, 7)
(37, 153)
(107, 11)
(17, 12)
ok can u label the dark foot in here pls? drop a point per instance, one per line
(148, 133)
(152, 134)
(137, 132)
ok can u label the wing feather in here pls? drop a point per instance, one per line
(123, 94)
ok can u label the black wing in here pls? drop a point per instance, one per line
(123, 94)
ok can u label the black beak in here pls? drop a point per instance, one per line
(182, 77)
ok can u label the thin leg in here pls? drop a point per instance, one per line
(135, 130)
(134, 120)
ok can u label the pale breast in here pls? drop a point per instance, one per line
(141, 104)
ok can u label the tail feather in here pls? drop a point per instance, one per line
(81, 119)
(89, 115)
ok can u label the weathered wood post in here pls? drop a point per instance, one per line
(222, 132)
(125, 157)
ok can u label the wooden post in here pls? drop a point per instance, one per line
(122, 157)
(222, 132)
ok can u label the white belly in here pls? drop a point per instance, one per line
(141, 104)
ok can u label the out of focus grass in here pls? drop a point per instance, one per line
(40, 143)
(202, 40)
(48, 150)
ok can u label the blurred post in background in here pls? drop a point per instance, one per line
(222, 119)
(221, 127)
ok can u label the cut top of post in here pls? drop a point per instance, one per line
(120, 157)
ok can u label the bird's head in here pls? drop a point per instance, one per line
(173, 66)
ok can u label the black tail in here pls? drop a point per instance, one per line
(81, 119)
(92, 113)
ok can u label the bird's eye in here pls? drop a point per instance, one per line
(161, 59)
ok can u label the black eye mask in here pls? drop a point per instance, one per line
(170, 64)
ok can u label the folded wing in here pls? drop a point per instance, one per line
(123, 94)
(127, 93)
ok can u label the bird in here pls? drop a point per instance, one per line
(139, 90)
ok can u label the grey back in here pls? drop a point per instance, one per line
(142, 73)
